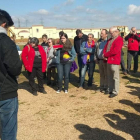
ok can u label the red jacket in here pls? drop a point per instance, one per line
(28, 55)
(114, 55)
(133, 42)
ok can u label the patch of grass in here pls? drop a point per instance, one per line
(72, 96)
(22, 103)
(84, 97)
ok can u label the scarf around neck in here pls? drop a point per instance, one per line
(3, 30)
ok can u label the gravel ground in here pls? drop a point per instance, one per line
(85, 114)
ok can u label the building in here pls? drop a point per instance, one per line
(53, 32)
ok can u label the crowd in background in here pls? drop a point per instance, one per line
(44, 60)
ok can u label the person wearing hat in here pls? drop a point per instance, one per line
(10, 67)
(35, 62)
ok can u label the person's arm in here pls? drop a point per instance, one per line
(75, 47)
(83, 49)
(24, 56)
(73, 54)
(116, 48)
(11, 58)
(137, 37)
(127, 37)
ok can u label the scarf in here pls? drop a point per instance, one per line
(3, 30)
(87, 56)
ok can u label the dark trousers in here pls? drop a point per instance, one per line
(8, 118)
(51, 72)
(79, 64)
(36, 72)
(122, 64)
(90, 67)
(133, 54)
(63, 70)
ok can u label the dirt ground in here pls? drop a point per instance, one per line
(85, 114)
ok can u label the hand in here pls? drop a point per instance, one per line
(96, 61)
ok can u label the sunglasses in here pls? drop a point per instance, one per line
(49, 42)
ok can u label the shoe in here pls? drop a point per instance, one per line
(58, 91)
(34, 93)
(66, 91)
(112, 95)
(43, 91)
(135, 71)
(49, 83)
(128, 72)
(102, 91)
(125, 73)
(106, 92)
(53, 84)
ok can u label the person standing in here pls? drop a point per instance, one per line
(101, 62)
(10, 67)
(133, 47)
(87, 51)
(34, 60)
(44, 44)
(78, 40)
(64, 58)
(112, 53)
(51, 63)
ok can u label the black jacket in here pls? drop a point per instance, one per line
(78, 42)
(10, 67)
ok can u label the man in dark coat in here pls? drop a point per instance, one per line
(10, 67)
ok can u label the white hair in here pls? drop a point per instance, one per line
(113, 29)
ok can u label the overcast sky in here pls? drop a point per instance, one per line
(74, 13)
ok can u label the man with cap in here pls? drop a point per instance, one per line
(10, 67)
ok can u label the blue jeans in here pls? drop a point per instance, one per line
(90, 67)
(63, 70)
(8, 118)
(79, 64)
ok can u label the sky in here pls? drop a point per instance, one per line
(74, 13)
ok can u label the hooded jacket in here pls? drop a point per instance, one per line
(10, 66)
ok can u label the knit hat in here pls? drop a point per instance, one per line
(7, 16)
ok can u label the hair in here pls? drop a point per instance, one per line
(29, 40)
(67, 46)
(35, 41)
(44, 36)
(78, 31)
(91, 35)
(3, 20)
(106, 31)
(114, 29)
(60, 33)
(65, 35)
(53, 42)
(133, 28)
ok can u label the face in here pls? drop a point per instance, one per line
(33, 44)
(103, 34)
(80, 35)
(50, 42)
(133, 30)
(63, 39)
(44, 39)
(90, 38)
(113, 33)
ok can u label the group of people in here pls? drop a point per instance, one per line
(106, 52)
(37, 59)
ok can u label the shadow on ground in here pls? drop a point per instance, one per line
(89, 133)
(130, 124)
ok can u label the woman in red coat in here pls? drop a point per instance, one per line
(34, 60)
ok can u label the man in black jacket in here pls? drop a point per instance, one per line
(10, 67)
(78, 40)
